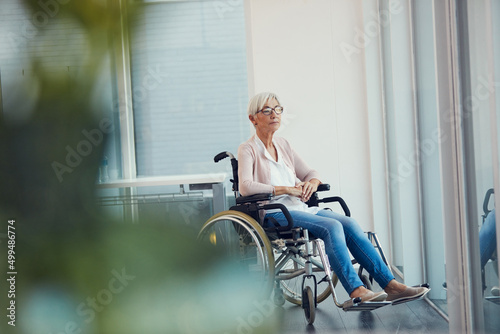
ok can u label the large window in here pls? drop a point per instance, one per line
(480, 47)
(45, 41)
(189, 85)
(440, 77)
(182, 92)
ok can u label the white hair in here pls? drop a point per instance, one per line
(257, 102)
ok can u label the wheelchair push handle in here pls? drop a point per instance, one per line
(223, 155)
(234, 164)
(487, 201)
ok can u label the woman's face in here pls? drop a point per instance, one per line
(269, 123)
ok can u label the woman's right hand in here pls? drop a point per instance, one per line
(292, 191)
(295, 191)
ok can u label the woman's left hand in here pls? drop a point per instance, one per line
(308, 188)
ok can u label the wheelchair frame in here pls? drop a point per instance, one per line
(291, 245)
(494, 258)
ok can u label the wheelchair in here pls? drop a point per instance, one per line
(494, 258)
(286, 261)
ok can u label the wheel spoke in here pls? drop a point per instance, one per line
(245, 243)
(292, 288)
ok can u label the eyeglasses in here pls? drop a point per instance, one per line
(267, 111)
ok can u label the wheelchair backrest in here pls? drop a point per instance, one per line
(234, 164)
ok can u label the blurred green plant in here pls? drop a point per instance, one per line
(71, 260)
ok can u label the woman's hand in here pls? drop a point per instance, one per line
(295, 191)
(292, 191)
(304, 190)
(308, 188)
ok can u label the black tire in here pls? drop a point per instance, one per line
(278, 298)
(308, 305)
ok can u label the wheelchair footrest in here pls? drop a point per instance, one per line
(350, 305)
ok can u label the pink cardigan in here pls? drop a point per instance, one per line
(254, 172)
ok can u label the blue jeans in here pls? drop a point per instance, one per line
(487, 238)
(340, 234)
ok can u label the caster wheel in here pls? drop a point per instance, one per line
(308, 305)
(278, 299)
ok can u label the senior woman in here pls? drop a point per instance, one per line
(269, 164)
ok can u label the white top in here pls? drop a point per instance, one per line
(282, 175)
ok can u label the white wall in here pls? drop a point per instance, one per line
(481, 99)
(294, 50)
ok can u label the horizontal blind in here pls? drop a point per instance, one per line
(45, 34)
(189, 85)
(59, 44)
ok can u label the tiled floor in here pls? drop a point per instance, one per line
(413, 317)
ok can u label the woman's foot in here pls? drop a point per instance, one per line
(394, 287)
(400, 293)
(368, 295)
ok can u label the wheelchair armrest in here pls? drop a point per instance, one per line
(285, 212)
(267, 197)
(338, 199)
(254, 198)
(323, 187)
(250, 202)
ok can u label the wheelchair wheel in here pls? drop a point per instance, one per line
(244, 242)
(292, 288)
(308, 305)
